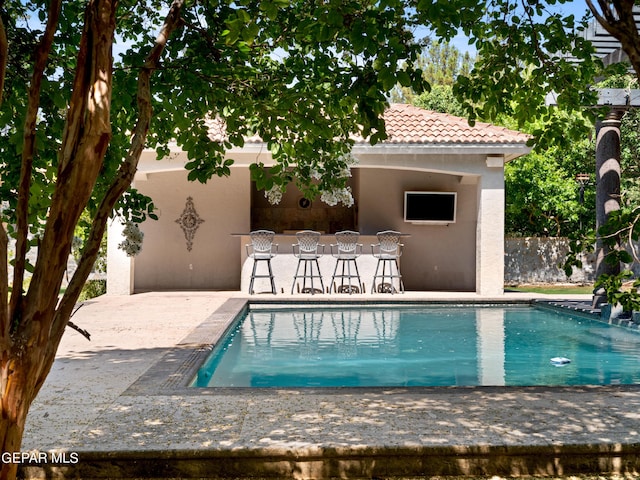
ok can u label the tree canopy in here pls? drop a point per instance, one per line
(87, 84)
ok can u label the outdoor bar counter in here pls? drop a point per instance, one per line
(284, 263)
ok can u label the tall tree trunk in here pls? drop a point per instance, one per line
(127, 169)
(28, 353)
(19, 367)
(30, 341)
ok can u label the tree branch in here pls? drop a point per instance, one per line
(81, 331)
(127, 169)
(28, 149)
(72, 325)
(4, 240)
(620, 25)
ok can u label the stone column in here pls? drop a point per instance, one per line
(607, 188)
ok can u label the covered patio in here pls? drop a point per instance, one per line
(198, 243)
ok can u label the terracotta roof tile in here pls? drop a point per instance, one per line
(410, 124)
(407, 124)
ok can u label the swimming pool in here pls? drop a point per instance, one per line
(363, 346)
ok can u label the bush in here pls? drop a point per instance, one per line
(92, 289)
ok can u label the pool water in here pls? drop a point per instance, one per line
(421, 346)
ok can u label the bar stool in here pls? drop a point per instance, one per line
(261, 250)
(308, 250)
(388, 251)
(347, 249)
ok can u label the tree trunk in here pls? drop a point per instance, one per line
(21, 370)
(618, 20)
(30, 337)
(30, 342)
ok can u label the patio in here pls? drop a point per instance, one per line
(102, 403)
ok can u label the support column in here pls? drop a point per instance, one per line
(607, 189)
(119, 265)
(490, 234)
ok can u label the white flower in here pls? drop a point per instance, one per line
(273, 195)
(315, 174)
(348, 159)
(133, 236)
(341, 195)
(344, 172)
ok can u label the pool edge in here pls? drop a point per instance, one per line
(174, 373)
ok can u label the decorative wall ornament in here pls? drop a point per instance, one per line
(189, 221)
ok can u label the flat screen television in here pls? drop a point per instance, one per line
(430, 207)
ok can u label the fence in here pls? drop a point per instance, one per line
(540, 260)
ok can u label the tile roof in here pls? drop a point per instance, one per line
(407, 124)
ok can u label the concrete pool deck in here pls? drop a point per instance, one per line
(102, 408)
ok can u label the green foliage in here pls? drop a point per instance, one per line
(441, 64)
(304, 76)
(92, 289)
(80, 236)
(630, 157)
(628, 298)
(621, 228)
(523, 53)
(543, 197)
(440, 99)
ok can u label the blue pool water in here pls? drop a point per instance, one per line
(420, 346)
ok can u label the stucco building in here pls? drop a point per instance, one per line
(425, 152)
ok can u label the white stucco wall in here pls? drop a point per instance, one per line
(119, 265)
(490, 233)
(467, 255)
(213, 262)
(436, 257)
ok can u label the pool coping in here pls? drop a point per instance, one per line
(175, 371)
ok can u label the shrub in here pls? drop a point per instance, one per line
(92, 289)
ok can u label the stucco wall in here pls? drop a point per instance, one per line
(436, 257)
(214, 260)
(540, 260)
(463, 256)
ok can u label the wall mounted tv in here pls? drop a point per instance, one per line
(430, 207)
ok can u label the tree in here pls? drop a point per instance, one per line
(526, 51)
(441, 64)
(304, 76)
(541, 197)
